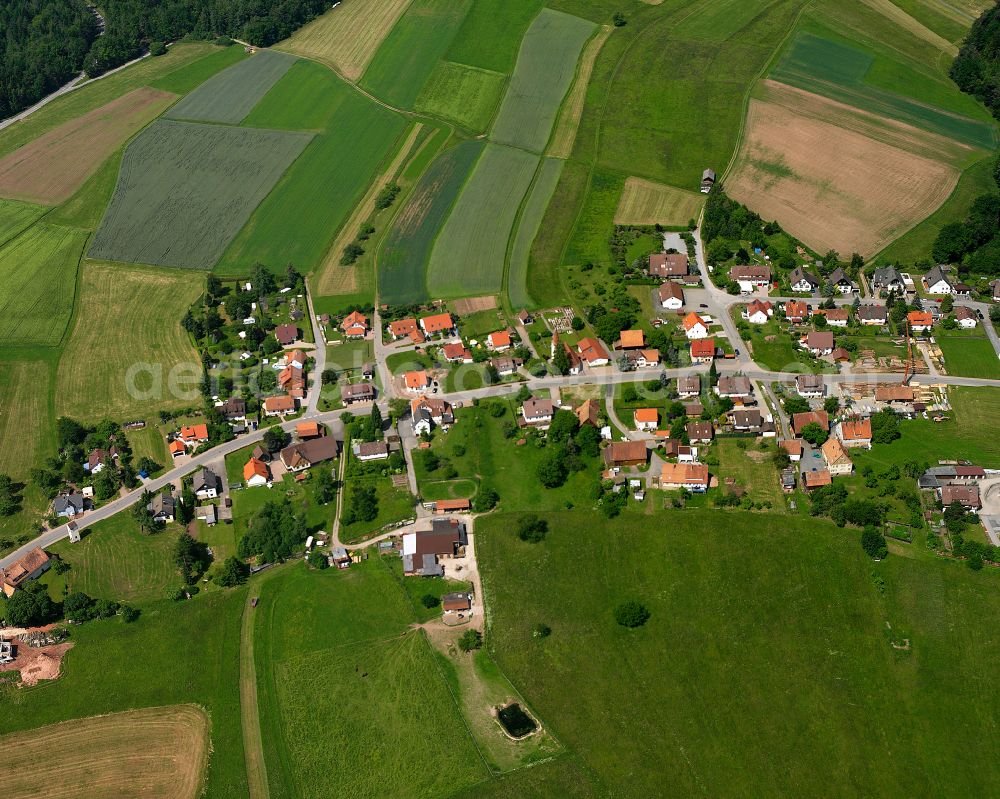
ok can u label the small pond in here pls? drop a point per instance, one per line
(516, 723)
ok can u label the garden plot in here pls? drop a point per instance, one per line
(185, 191)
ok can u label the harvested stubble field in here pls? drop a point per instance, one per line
(870, 191)
(346, 37)
(527, 228)
(471, 250)
(51, 168)
(644, 202)
(159, 751)
(185, 190)
(466, 95)
(131, 315)
(231, 94)
(546, 65)
(24, 414)
(37, 284)
(402, 273)
(569, 118)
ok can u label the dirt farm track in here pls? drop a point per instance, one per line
(157, 752)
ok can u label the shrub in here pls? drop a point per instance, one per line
(471, 639)
(873, 542)
(429, 601)
(532, 529)
(541, 631)
(631, 614)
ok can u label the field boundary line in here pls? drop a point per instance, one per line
(505, 300)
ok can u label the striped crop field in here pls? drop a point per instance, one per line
(644, 202)
(463, 94)
(185, 190)
(16, 217)
(531, 219)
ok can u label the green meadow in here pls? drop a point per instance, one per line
(462, 94)
(527, 228)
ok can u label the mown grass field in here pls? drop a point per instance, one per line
(25, 425)
(145, 356)
(347, 631)
(546, 65)
(394, 504)
(470, 251)
(646, 203)
(407, 247)
(412, 50)
(38, 271)
(173, 742)
(16, 217)
(175, 653)
(189, 77)
(347, 37)
(777, 636)
(178, 202)
(297, 221)
(466, 95)
(527, 228)
(969, 355)
(232, 93)
(491, 34)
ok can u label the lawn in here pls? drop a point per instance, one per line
(761, 638)
(546, 65)
(394, 505)
(752, 469)
(407, 247)
(175, 653)
(117, 561)
(348, 631)
(463, 94)
(969, 355)
(231, 94)
(412, 50)
(178, 202)
(470, 252)
(38, 271)
(527, 228)
(300, 217)
(149, 442)
(132, 317)
(25, 417)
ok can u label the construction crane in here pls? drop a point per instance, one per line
(908, 371)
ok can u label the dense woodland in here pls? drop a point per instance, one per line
(43, 43)
(976, 69)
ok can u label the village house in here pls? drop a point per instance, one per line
(438, 325)
(855, 433)
(746, 420)
(417, 381)
(965, 317)
(572, 357)
(703, 350)
(95, 461)
(967, 496)
(757, 312)
(835, 317)
(355, 325)
(693, 410)
(193, 435)
(936, 281)
(646, 418)
(69, 505)
(689, 386)
(304, 454)
(351, 393)
(538, 412)
(423, 549)
(872, 315)
(279, 406)
(28, 567)
(506, 366)
(672, 264)
(623, 454)
(307, 430)
(593, 352)
(589, 413)
(292, 381)
(796, 311)
(751, 278)
(366, 451)
(642, 359)
(499, 341)
(631, 340)
(524, 318)
(403, 328)
(456, 603)
(817, 478)
(888, 278)
(234, 409)
(428, 413)
(256, 473)
(692, 476)
(841, 282)
(810, 386)
(205, 484)
(176, 448)
(736, 387)
(286, 334)
(457, 353)
(671, 296)
(818, 342)
(800, 420)
(695, 326)
(163, 507)
(794, 449)
(920, 321)
(802, 281)
(836, 457)
(700, 432)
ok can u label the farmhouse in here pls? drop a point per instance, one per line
(751, 278)
(888, 278)
(803, 281)
(69, 505)
(286, 334)
(670, 264)
(297, 457)
(26, 568)
(456, 353)
(588, 413)
(737, 387)
(205, 484)
(406, 327)
(163, 507)
(800, 420)
(426, 413)
(966, 496)
(538, 412)
(836, 457)
(700, 432)
(810, 386)
(438, 324)
(703, 350)
(646, 418)
(357, 392)
(841, 282)
(256, 473)
(234, 409)
(695, 326)
(692, 476)
(818, 342)
(499, 341)
(279, 406)
(855, 433)
(835, 317)
(796, 311)
(621, 454)
(937, 282)
(920, 321)
(872, 315)
(965, 317)
(423, 549)
(794, 449)
(593, 352)
(689, 386)
(671, 296)
(757, 312)
(370, 451)
(631, 340)
(355, 325)
(417, 381)
(747, 420)
(817, 478)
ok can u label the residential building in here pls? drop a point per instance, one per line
(751, 278)
(671, 296)
(538, 412)
(402, 328)
(794, 449)
(524, 318)
(593, 352)
(810, 386)
(646, 418)
(735, 387)
(796, 311)
(670, 264)
(457, 353)
(95, 461)
(428, 413)
(589, 413)
(621, 454)
(631, 340)
(872, 315)
(937, 282)
(802, 281)
(835, 317)
(703, 350)
(692, 476)
(836, 457)
(176, 448)
(695, 326)
(965, 317)
(967, 496)
(747, 420)
(920, 321)
(28, 567)
(234, 409)
(205, 484)
(757, 312)
(417, 381)
(841, 282)
(887, 279)
(700, 432)
(355, 325)
(818, 342)
(499, 341)
(370, 451)
(256, 473)
(506, 366)
(279, 406)
(286, 334)
(163, 507)
(423, 550)
(438, 324)
(855, 433)
(351, 393)
(304, 454)
(689, 386)
(800, 420)
(69, 506)
(193, 435)
(572, 357)
(307, 430)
